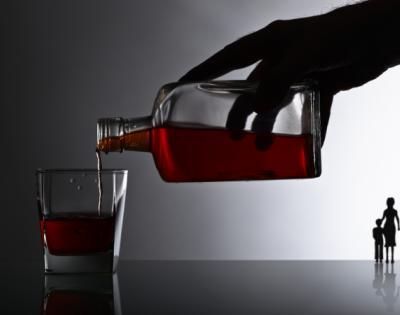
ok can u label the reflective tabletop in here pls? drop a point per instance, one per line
(206, 287)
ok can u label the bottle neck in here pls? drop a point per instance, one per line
(118, 134)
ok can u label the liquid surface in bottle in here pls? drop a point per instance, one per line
(183, 154)
(137, 141)
(61, 302)
(78, 235)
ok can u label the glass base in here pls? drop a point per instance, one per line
(98, 263)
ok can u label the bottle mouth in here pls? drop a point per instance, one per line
(109, 132)
(116, 134)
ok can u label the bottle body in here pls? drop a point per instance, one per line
(210, 132)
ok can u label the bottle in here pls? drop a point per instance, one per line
(210, 131)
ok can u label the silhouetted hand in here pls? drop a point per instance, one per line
(342, 49)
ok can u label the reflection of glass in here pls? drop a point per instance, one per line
(213, 131)
(81, 294)
(385, 285)
(81, 214)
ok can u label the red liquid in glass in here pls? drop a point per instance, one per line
(77, 235)
(183, 155)
(77, 302)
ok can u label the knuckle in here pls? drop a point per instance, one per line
(275, 26)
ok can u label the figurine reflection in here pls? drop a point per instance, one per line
(384, 285)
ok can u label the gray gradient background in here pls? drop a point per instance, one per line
(70, 62)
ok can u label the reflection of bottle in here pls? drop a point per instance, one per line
(81, 294)
(210, 132)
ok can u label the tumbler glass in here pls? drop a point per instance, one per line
(81, 213)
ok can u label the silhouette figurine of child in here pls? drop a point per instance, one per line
(389, 228)
(377, 233)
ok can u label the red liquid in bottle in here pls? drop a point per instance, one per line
(183, 155)
(199, 155)
(78, 235)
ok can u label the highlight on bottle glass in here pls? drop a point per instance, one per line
(213, 131)
(81, 213)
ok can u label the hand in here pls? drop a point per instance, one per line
(342, 49)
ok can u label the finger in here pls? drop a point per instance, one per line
(276, 83)
(243, 106)
(239, 54)
(262, 125)
(264, 122)
(238, 114)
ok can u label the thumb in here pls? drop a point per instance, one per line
(326, 99)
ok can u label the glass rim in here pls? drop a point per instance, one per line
(80, 170)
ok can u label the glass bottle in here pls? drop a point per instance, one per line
(210, 131)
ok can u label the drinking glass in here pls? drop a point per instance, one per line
(81, 213)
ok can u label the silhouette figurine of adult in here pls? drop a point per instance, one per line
(389, 228)
(377, 233)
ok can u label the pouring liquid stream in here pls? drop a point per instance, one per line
(99, 182)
